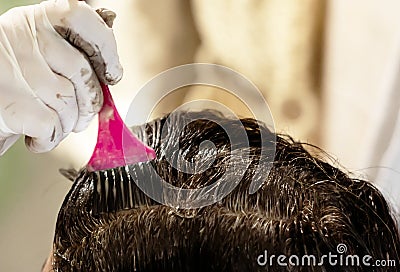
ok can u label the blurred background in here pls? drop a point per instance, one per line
(329, 71)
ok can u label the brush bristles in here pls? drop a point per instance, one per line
(112, 190)
(115, 189)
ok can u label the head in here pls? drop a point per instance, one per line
(305, 206)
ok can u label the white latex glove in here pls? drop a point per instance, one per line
(52, 56)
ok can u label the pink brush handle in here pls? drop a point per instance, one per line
(116, 145)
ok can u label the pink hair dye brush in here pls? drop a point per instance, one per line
(116, 145)
(116, 149)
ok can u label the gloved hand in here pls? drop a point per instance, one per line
(52, 56)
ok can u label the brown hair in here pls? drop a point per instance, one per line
(305, 207)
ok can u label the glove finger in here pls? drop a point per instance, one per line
(78, 70)
(85, 29)
(107, 15)
(56, 92)
(49, 136)
(30, 116)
